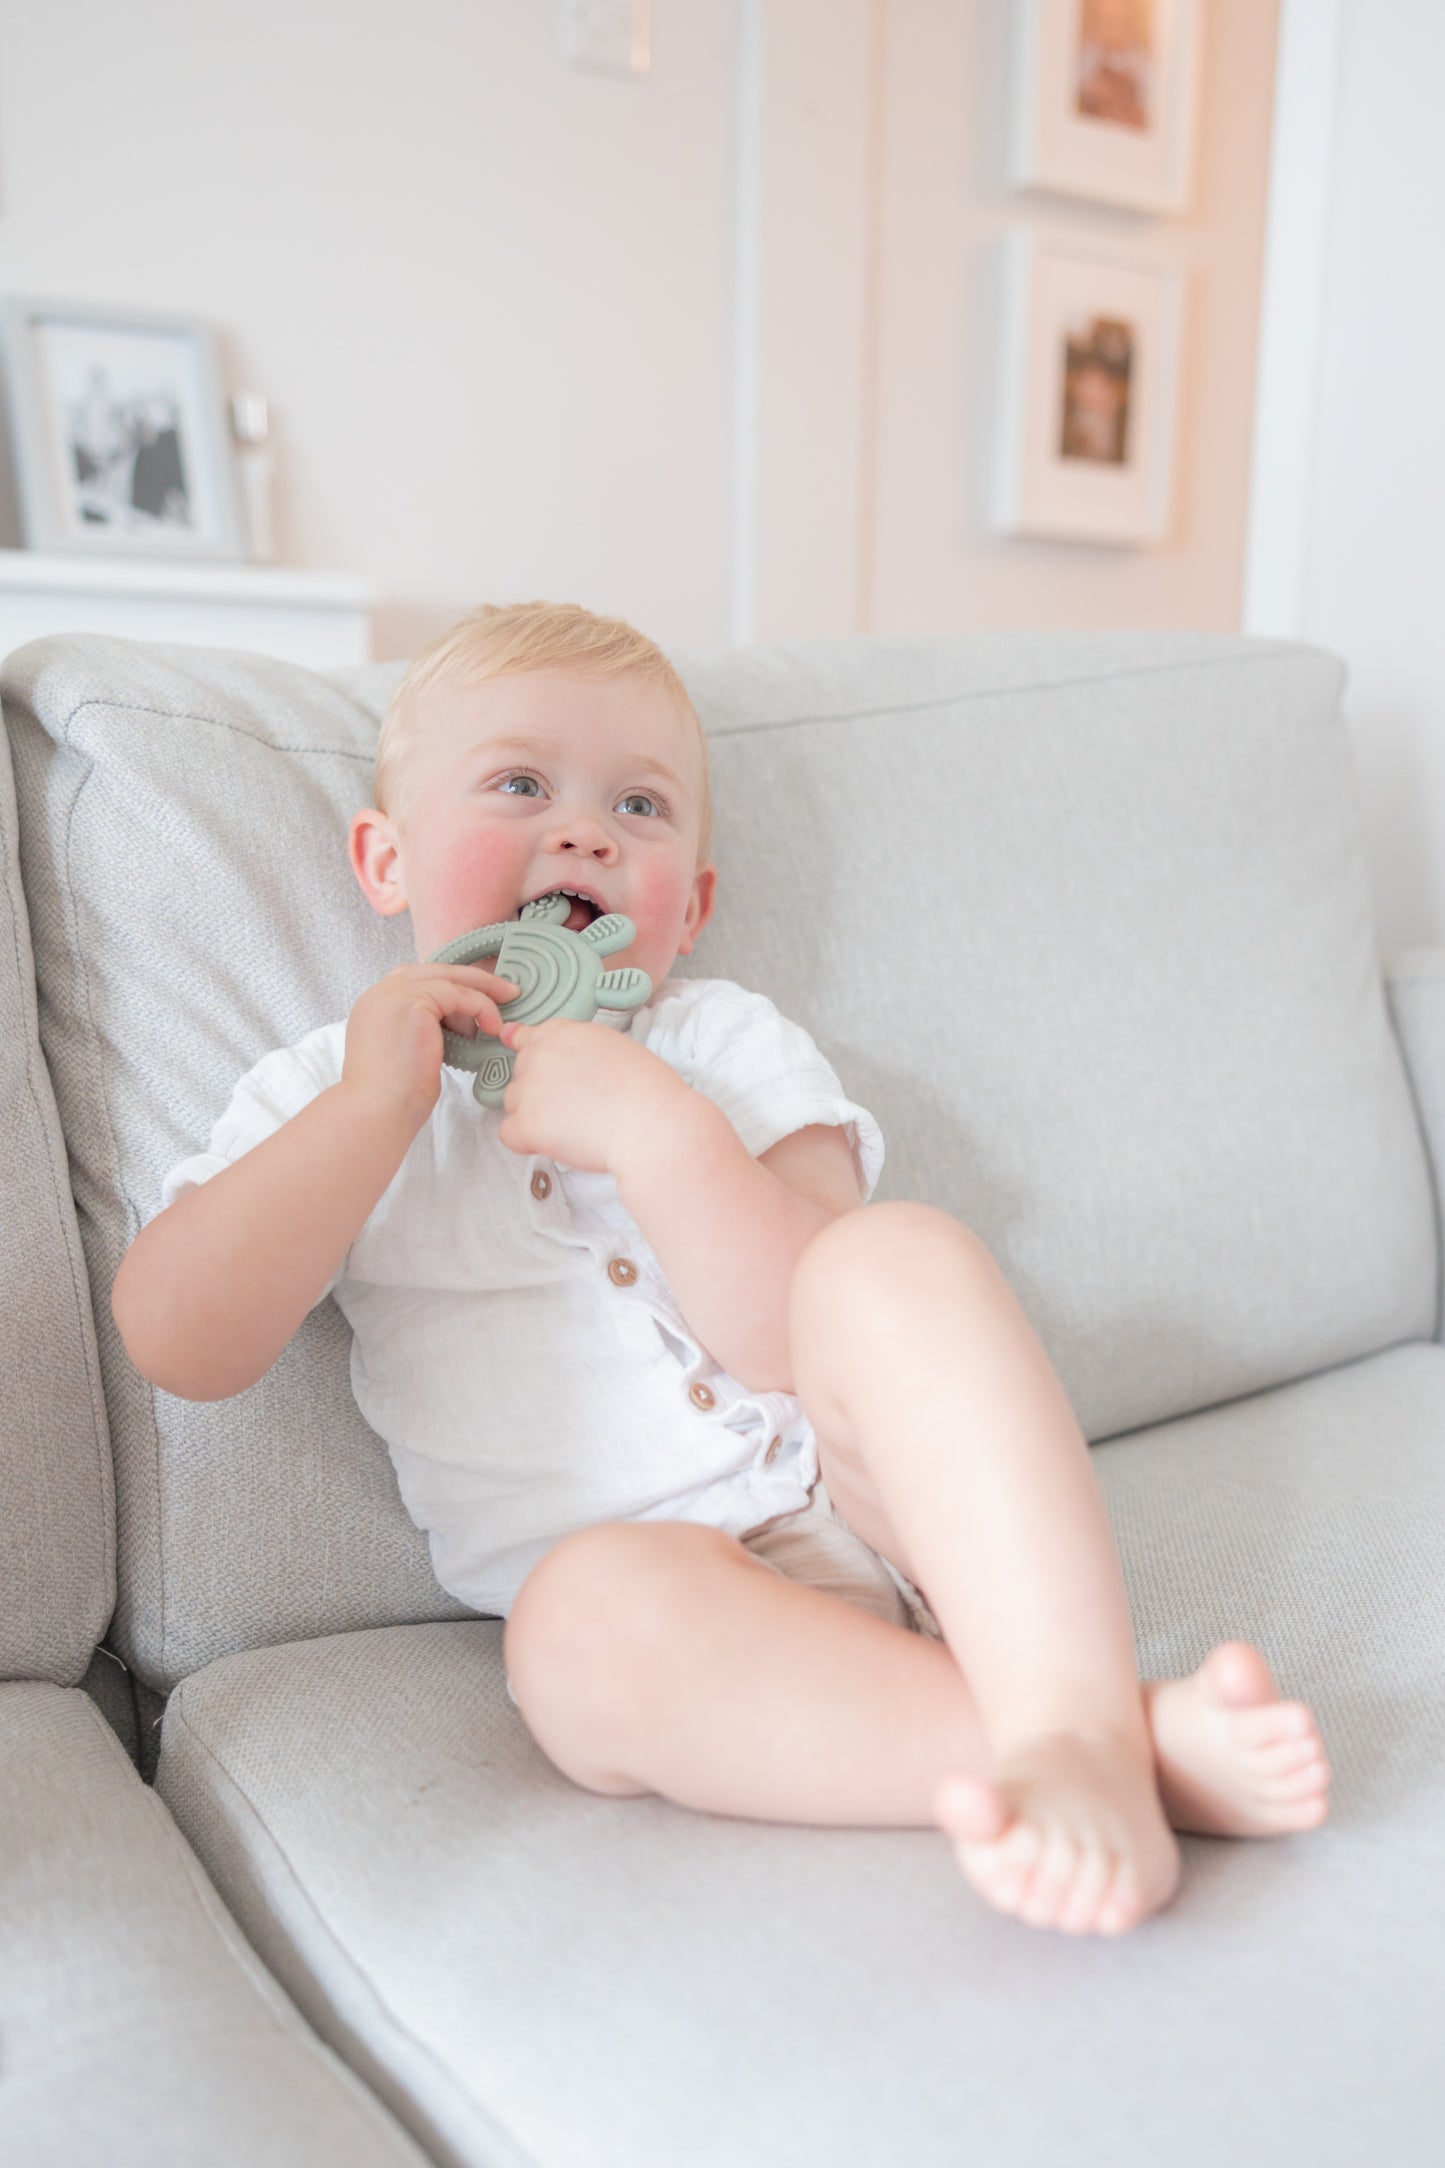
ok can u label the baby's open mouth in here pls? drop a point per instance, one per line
(584, 907)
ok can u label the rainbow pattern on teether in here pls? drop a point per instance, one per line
(557, 972)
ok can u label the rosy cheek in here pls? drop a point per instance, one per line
(661, 894)
(470, 882)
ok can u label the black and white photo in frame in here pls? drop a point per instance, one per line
(119, 432)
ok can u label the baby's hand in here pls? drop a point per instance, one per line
(585, 1095)
(394, 1032)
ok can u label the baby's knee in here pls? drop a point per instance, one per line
(565, 1606)
(881, 1260)
(597, 1611)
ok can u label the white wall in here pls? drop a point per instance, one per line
(883, 199)
(525, 332)
(489, 298)
(1350, 552)
(817, 194)
(944, 207)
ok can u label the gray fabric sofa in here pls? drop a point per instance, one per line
(1085, 919)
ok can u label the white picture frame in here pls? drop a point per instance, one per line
(119, 432)
(1105, 100)
(1088, 391)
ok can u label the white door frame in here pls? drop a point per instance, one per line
(1292, 303)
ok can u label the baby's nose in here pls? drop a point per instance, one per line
(588, 837)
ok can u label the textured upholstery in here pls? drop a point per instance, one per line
(57, 1509)
(1415, 983)
(112, 1689)
(526, 1971)
(1084, 918)
(136, 2027)
(181, 840)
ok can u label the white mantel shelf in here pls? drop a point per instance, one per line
(322, 619)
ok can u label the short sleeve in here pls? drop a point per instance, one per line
(266, 1098)
(764, 1072)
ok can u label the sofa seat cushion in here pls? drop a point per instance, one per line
(526, 1971)
(136, 2027)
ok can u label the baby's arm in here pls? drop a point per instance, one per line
(211, 1291)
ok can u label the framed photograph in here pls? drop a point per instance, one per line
(120, 432)
(1105, 100)
(1089, 378)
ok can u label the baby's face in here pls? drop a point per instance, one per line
(529, 784)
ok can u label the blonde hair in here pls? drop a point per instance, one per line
(507, 641)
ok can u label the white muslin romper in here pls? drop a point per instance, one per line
(515, 1343)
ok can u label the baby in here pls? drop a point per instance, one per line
(661, 1386)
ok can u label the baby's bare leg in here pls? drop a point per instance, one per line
(657, 1656)
(660, 1657)
(948, 1443)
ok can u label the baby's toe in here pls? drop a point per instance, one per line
(1006, 1874)
(1298, 1783)
(1279, 1814)
(1121, 1906)
(1049, 1885)
(1079, 1913)
(1236, 1674)
(1284, 1756)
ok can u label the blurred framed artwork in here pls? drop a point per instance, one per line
(1089, 374)
(1105, 100)
(119, 432)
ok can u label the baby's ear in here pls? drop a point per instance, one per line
(371, 847)
(699, 908)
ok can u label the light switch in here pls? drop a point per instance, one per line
(611, 37)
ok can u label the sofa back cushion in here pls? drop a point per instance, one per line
(183, 814)
(57, 1507)
(1084, 919)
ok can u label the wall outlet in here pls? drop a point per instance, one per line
(610, 37)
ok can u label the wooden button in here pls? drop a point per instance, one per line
(541, 1185)
(702, 1396)
(772, 1452)
(622, 1272)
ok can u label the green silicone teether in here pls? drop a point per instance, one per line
(558, 973)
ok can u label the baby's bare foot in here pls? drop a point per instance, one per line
(1070, 1835)
(1234, 1760)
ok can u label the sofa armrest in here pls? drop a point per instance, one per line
(1415, 985)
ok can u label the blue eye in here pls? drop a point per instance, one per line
(641, 798)
(508, 780)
